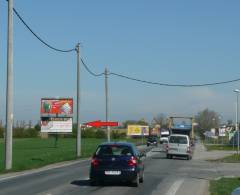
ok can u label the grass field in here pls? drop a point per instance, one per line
(31, 153)
(218, 147)
(229, 159)
(224, 186)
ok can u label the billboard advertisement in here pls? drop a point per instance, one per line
(56, 125)
(57, 107)
(137, 130)
(222, 132)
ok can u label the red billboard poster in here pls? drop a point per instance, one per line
(61, 106)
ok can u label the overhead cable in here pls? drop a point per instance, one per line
(174, 85)
(89, 71)
(121, 75)
(39, 38)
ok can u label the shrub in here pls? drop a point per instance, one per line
(20, 132)
(100, 133)
(115, 134)
(1, 132)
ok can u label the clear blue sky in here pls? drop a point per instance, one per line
(167, 41)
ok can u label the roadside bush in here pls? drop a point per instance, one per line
(24, 133)
(1, 132)
(116, 135)
(18, 132)
(100, 133)
(30, 132)
(89, 133)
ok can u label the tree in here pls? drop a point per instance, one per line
(134, 122)
(229, 122)
(161, 120)
(206, 120)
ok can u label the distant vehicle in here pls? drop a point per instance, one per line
(164, 136)
(179, 145)
(117, 161)
(152, 140)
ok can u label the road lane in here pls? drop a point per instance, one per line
(161, 175)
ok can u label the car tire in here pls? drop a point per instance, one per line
(188, 158)
(169, 156)
(142, 178)
(93, 182)
(136, 181)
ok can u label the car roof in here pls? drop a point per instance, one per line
(117, 143)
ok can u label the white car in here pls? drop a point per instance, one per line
(179, 145)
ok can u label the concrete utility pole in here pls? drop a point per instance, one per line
(9, 96)
(237, 91)
(78, 149)
(106, 95)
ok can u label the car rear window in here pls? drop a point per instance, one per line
(178, 140)
(116, 150)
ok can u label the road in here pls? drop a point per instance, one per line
(162, 176)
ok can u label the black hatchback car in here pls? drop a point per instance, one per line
(117, 161)
(152, 140)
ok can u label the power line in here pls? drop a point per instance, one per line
(121, 75)
(40, 39)
(90, 71)
(174, 85)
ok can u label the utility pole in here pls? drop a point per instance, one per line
(9, 95)
(106, 95)
(78, 149)
(237, 91)
(237, 128)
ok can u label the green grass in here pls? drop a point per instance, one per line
(32, 153)
(218, 147)
(229, 159)
(224, 186)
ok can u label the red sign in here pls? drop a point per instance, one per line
(100, 124)
(50, 106)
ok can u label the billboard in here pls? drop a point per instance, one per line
(57, 107)
(222, 132)
(56, 125)
(137, 130)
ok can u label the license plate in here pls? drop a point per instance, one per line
(112, 172)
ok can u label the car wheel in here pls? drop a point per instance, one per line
(136, 181)
(188, 157)
(93, 182)
(142, 178)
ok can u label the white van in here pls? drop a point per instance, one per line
(179, 145)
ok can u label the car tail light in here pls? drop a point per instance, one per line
(132, 162)
(95, 162)
(166, 147)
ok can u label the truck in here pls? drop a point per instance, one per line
(183, 129)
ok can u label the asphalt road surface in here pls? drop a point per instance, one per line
(162, 176)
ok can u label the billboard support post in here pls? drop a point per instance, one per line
(78, 149)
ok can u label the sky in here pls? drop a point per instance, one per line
(176, 42)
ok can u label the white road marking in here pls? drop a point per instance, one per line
(174, 188)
